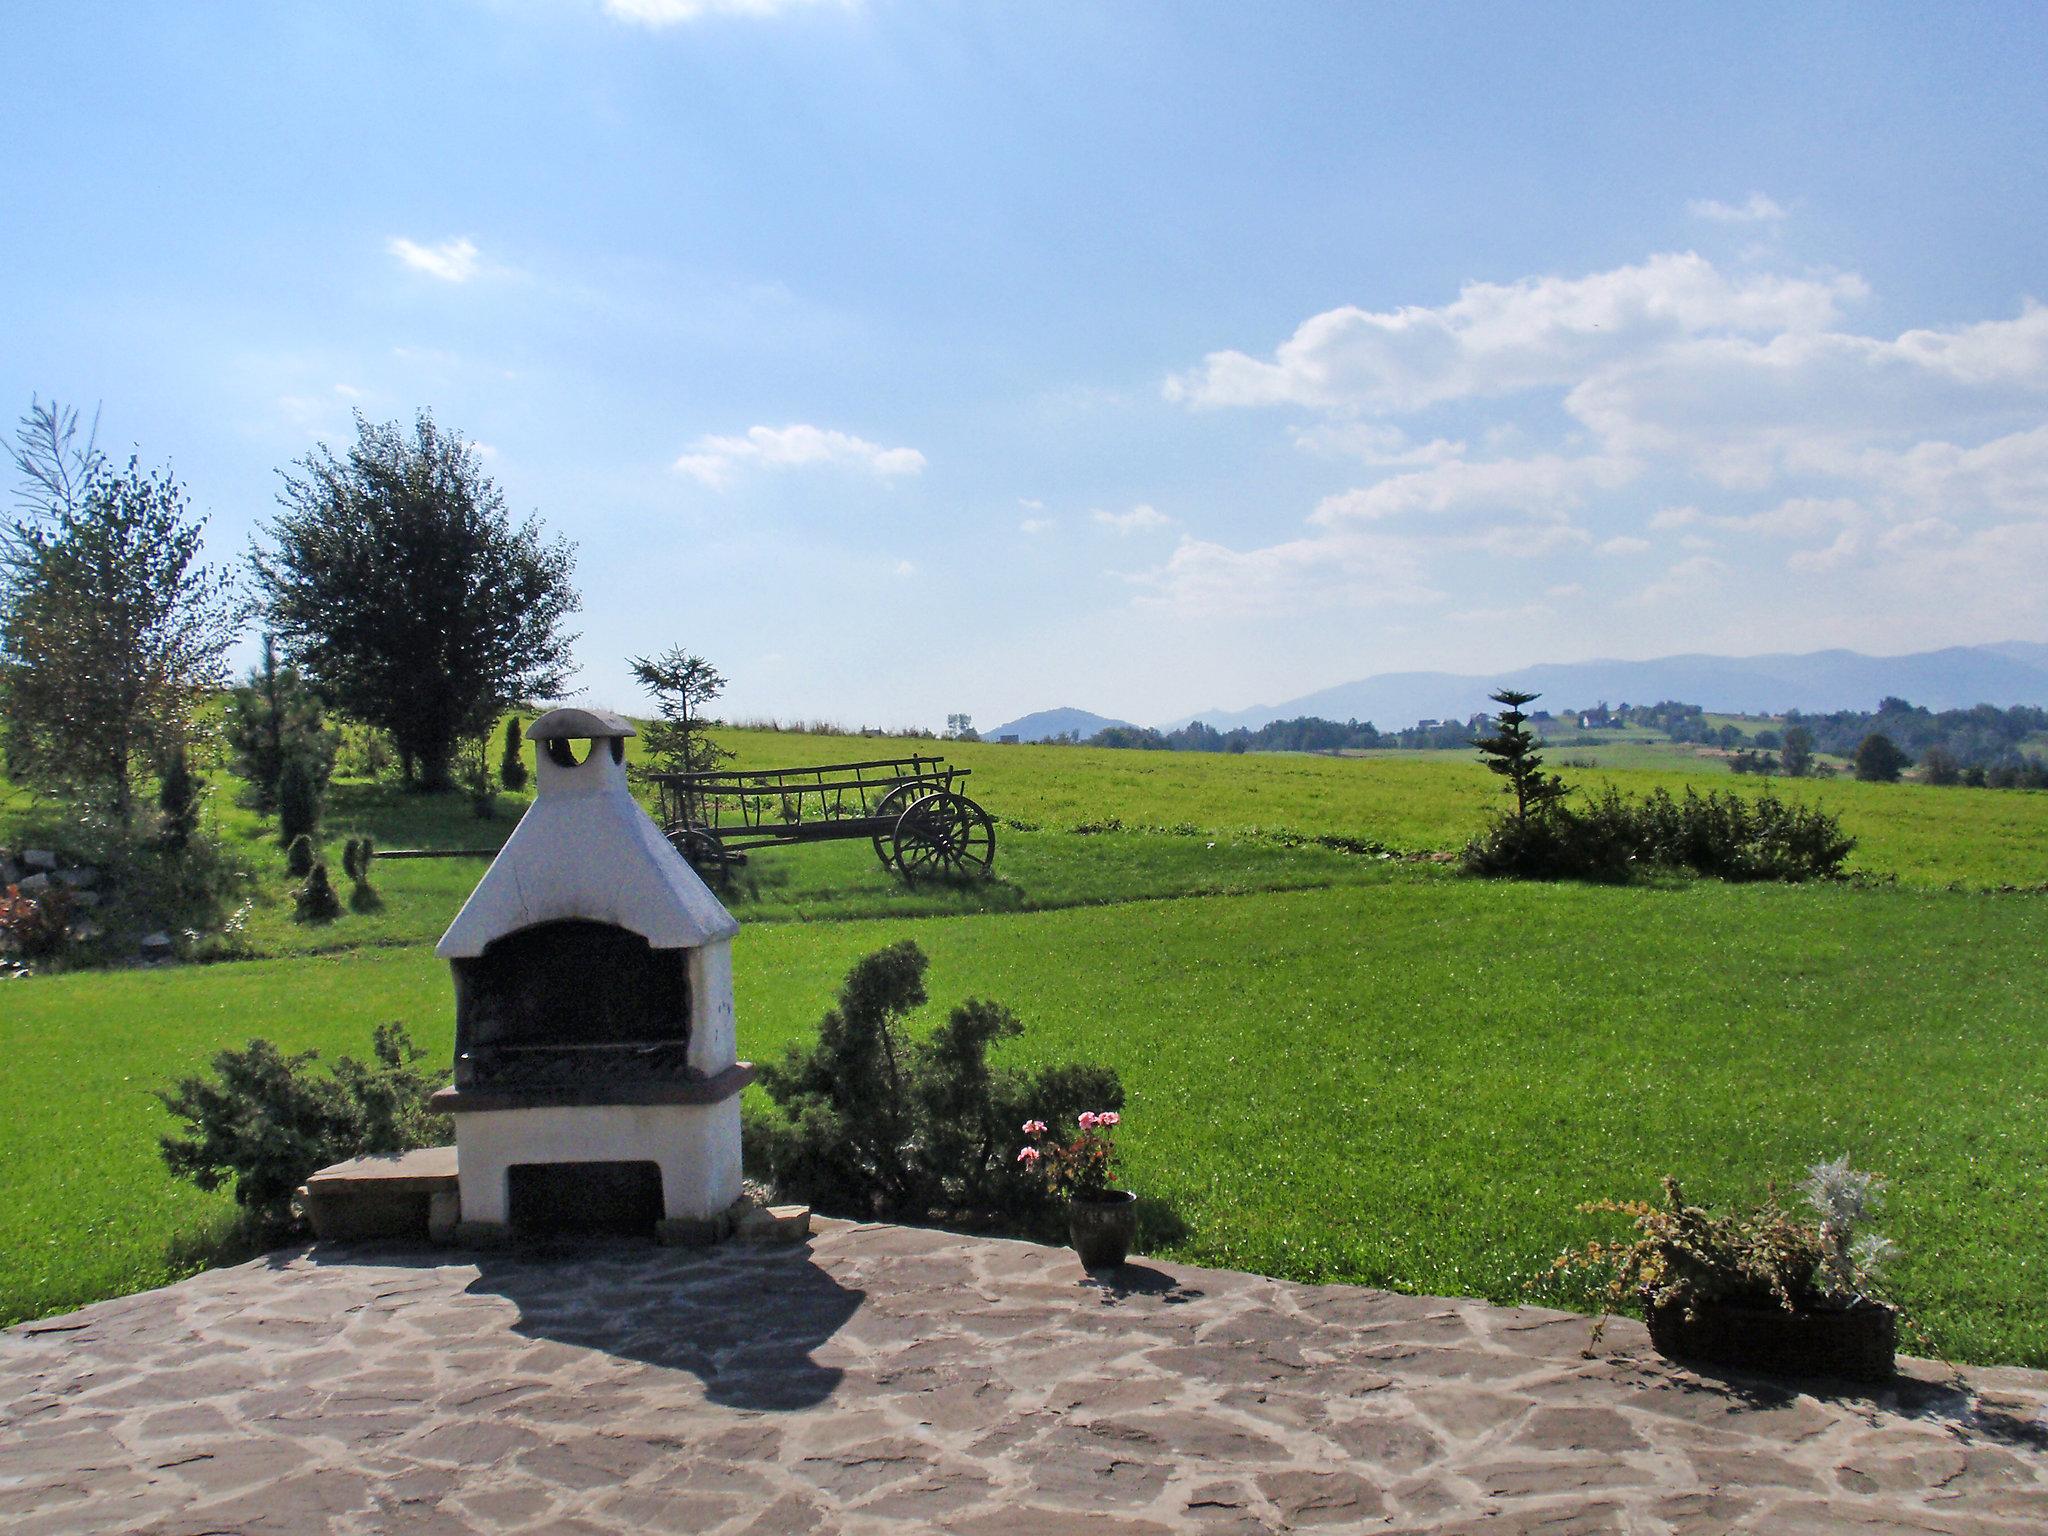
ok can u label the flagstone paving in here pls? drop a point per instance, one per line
(895, 1379)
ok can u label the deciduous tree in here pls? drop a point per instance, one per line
(396, 580)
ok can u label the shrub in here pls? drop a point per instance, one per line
(268, 1120)
(301, 796)
(512, 763)
(315, 901)
(177, 797)
(357, 856)
(1720, 834)
(867, 1121)
(299, 857)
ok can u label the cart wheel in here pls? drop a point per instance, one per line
(944, 834)
(700, 845)
(894, 803)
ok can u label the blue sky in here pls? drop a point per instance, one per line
(907, 356)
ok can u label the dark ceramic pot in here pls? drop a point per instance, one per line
(1102, 1228)
(1855, 1343)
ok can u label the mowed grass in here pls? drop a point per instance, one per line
(1409, 1083)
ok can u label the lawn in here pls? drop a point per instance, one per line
(1407, 1082)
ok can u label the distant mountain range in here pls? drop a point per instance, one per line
(2015, 672)
(1047, 723)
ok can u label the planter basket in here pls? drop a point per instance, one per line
(1102, 1229)
(1854, 1343)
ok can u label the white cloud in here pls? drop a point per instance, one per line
(716, 460)
(1758, 209)
(1624, 544)
(1500, 338)
(452, 261)
(1347, 570)
(1684, 580)
(1674, 517)
(1546, 486)
(1566, 589)
(1139, 519)
(1033, 526)
(668, 13)
(1375, 443)
(904, 568)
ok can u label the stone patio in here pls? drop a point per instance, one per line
(889, 1379)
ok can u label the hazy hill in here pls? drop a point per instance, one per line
(2015, 672)
(1052, 722)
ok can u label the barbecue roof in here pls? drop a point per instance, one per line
(585, 849)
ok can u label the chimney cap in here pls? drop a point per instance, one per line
(579, 725)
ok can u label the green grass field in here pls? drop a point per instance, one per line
(1410, 1083)
(1340, 1067)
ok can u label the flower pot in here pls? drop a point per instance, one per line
(1853, 1343)
(1101, 1228)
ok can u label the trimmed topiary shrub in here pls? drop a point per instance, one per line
(315, 901)
(512, 763)
(267, 1120)
(299, 857)
(868, 1121)
(301, 796)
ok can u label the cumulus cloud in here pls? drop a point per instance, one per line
(451, 261)
(1501, 338)
(1139, 519)
(715, 461)
(1757, 209)
(669, 13)
(1769, 430)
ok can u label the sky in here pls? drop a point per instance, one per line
(907, 357)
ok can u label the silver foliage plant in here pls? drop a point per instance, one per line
(1843, 1197)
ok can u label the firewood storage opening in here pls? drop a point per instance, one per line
(568, 1002)
(599, 1199)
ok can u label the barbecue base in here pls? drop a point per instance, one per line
(694, 1148)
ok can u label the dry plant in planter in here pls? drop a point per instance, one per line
(1756, 1287)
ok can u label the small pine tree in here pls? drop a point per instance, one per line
(299, 858)
(1511, 752)
(315, 901)
(272, 718)
(177, 796)
(512, 765)
(301, 791)
(682, 686)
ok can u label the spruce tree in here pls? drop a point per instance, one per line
(1512, 753)
(512, 765)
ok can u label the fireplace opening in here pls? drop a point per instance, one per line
(571, 1002)
(583, 1198)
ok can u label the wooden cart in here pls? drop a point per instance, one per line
(910, 808)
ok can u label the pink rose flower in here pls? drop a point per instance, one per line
(1034, 1127)
(1027, 1156)
(1108, 1117)
(1090, 1119)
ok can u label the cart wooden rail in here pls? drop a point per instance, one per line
(911, 808)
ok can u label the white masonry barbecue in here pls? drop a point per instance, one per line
(594, 1051)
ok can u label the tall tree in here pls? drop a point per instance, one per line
(682, 687)
(113, 628)
(395, 579)
(1511, 752)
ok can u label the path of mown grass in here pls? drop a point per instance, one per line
(1410, 1083)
